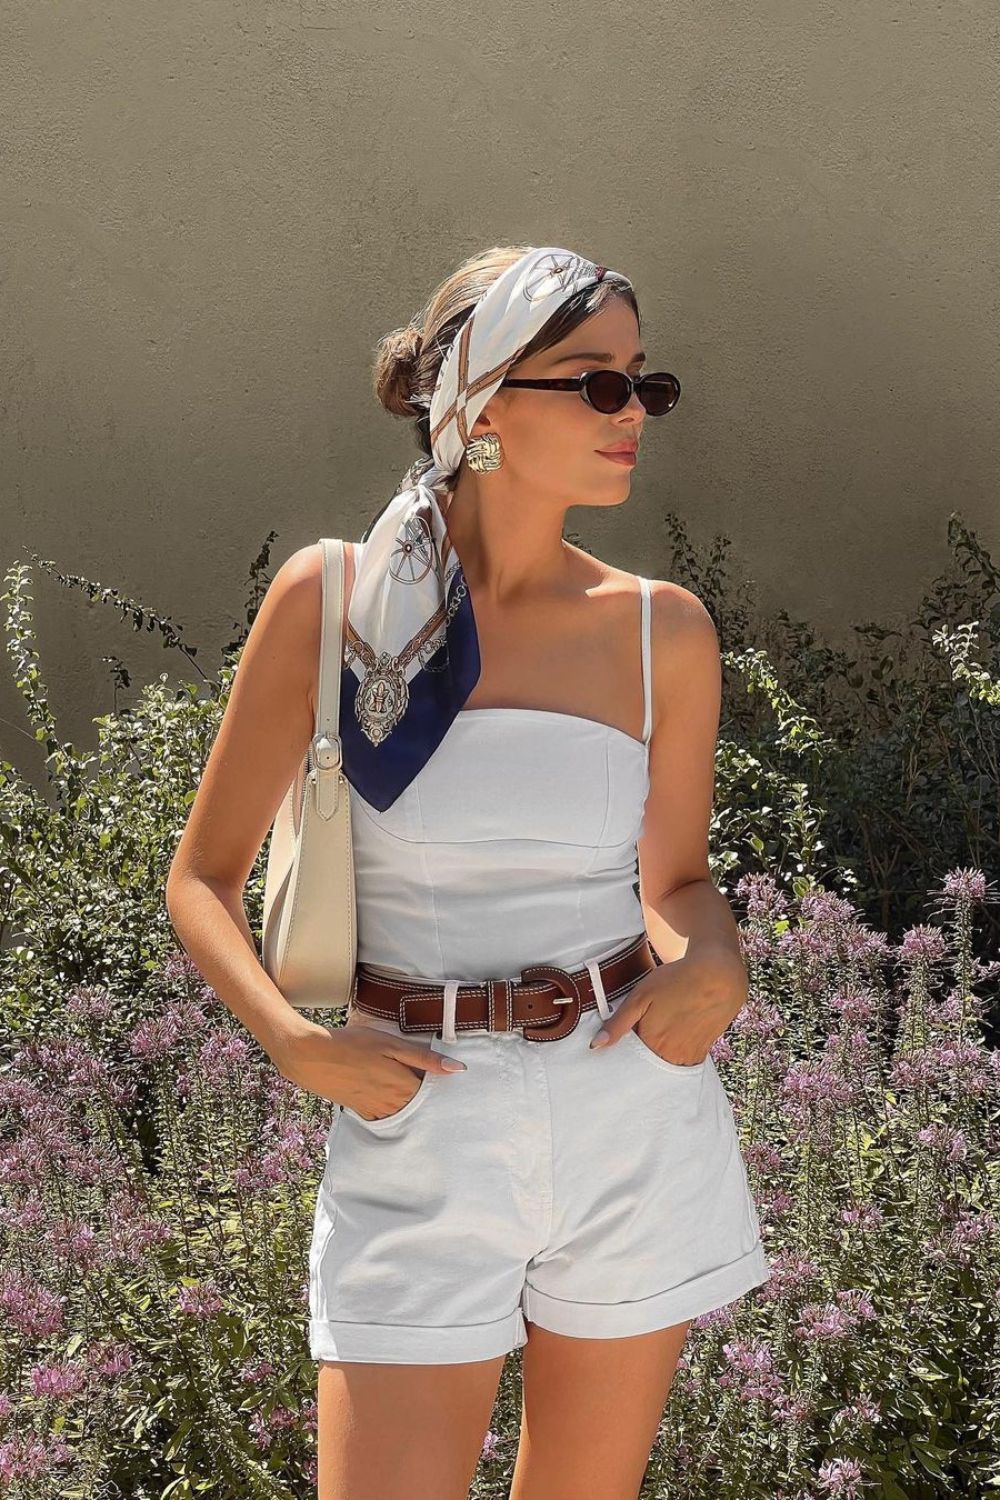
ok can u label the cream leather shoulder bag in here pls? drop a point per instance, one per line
(309, 931)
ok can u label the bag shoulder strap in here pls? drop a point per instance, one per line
(331, 656)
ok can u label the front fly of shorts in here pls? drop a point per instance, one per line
(594, 1192)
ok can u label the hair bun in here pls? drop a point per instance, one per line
(409, 342)
(395, 365)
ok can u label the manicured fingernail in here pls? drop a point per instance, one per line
(601, 1039)
(452, 1065)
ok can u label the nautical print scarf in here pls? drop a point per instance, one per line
(412, 650)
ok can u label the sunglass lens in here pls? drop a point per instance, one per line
(608, 390)
(659, 393)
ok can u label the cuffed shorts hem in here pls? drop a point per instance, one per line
(610, 1320)
(402, 1344)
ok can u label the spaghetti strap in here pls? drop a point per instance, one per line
(647, 695)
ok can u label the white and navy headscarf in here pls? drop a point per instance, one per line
(412, 651)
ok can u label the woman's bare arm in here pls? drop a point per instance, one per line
(687, 916)
(265, 731)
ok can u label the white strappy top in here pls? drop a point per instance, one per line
(514, 844)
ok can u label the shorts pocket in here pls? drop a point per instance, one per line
(695, 1070)
(385, 1122)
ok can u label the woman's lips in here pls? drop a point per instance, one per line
(628, 459)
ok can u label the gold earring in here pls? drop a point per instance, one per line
(484, 452)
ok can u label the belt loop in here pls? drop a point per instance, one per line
(594, 970)
(448, 1011)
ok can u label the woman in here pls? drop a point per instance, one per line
(528, 735)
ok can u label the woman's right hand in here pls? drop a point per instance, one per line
(372, 1071)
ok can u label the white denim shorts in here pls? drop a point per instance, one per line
(596, 1193)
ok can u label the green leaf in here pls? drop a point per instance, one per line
(175, 1444)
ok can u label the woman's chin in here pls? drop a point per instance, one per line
(615, 496)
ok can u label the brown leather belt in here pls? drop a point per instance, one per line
(546, 1001)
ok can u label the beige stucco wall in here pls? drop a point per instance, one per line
(211, 213)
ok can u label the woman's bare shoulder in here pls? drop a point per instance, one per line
(672, 598)
(299, 586)
(296, 591)
(679, 620)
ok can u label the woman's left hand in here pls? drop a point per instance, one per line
(681, 1009)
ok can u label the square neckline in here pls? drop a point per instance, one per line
(554, 713)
